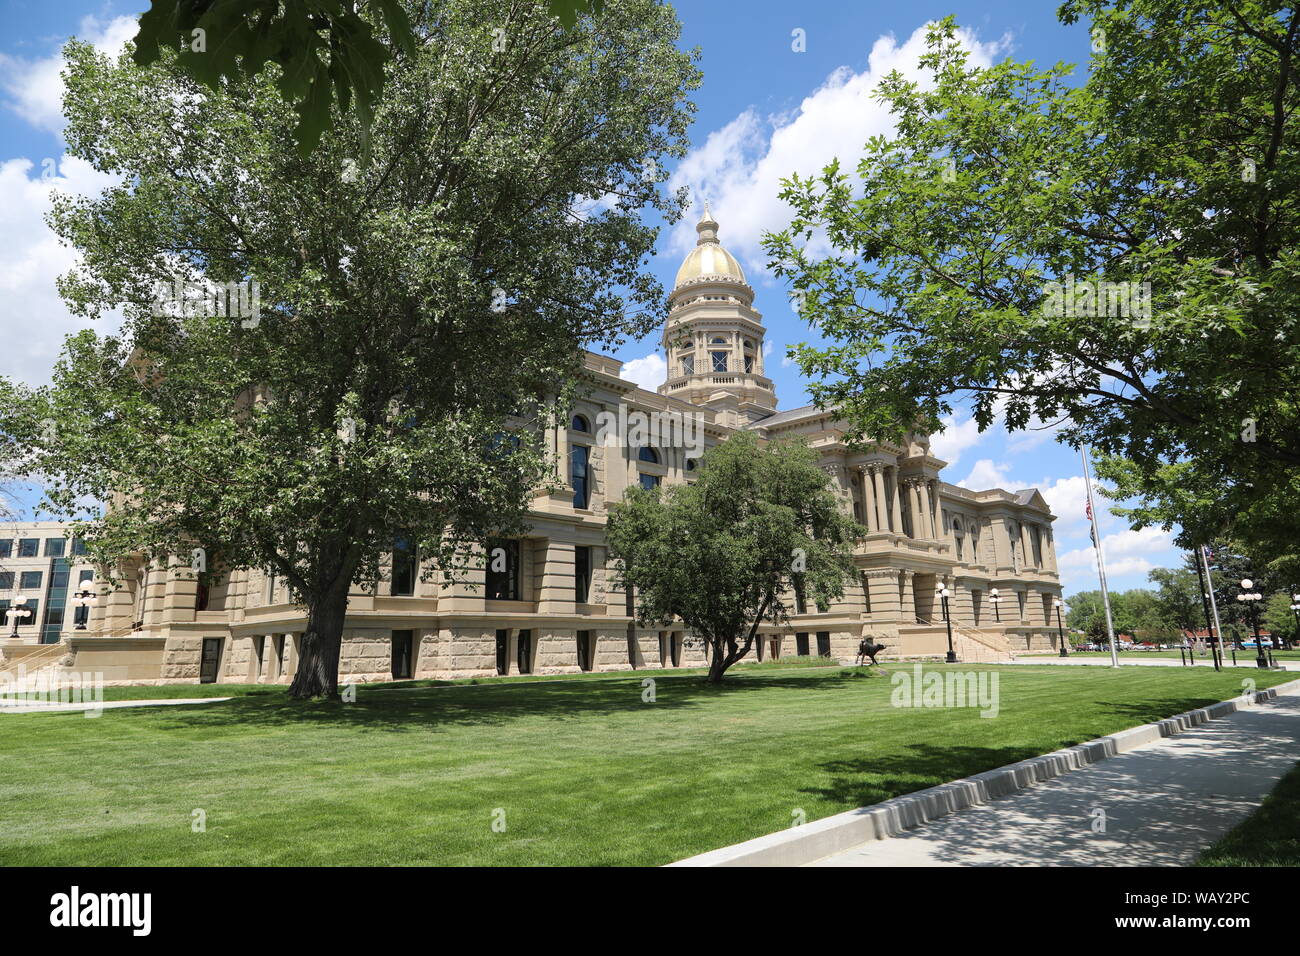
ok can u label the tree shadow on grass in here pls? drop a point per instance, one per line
(867, 780)
(386, 708)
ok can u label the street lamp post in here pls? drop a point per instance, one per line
(1060, 631)
(18, 612)
(85, 599)
(945, 594)
(1249, 599)
(995, 601)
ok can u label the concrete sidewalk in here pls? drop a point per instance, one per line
(1160, 804)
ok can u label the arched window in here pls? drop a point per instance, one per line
(718, 340)
(648, 454)
(579, 424)
(692, 464)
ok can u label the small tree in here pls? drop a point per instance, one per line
(1178, 600)
(1278, 618)
(721, 555)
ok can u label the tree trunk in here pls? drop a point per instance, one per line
(317, 674)
(718, 663)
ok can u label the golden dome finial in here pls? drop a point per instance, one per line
(707, 227)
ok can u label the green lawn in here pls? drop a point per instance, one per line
(1268, 837)
(585, 771)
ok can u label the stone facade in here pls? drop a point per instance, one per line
(922, 533)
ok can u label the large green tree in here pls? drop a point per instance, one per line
(960, 261)
(332, 54)
(727, 552)
(418, 301)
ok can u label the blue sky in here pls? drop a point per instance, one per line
(765, 110)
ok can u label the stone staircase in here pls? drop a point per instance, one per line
(977, 646)
(15, 668)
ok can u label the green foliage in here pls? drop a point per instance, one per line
(725, 553)
(414, 305)
(329, 52)
(1178, 603)
(1138, 613)
(1175, 163)
(1278, 619)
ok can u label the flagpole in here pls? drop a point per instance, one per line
(1214, 604)
(1101, 561)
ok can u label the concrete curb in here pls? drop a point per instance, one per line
(821, 838)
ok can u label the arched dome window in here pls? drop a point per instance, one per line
(649, 454)
(718, 340)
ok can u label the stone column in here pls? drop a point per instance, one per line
(896, 518)
(932, 487)
(883, 592)
(907, 600)
(915, 507)
(927, 516)
(878, 499)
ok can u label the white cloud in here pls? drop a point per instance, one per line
(1067, 498)
(955, 438)
(34, 319)
(988, 474)
(34, 88)
(649, 371)
(740, 166)
(1129, 554)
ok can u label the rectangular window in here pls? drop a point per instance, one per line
(403, 643)
(749, 363)
(719, 361)
(578, 460)
(6, 548)
(581, 573)
(78, 547)
(586, 651)
(800, 599)
(55, 547)
(403, 568)
(503, 651)
(33, 606)
(201, 597)
(27, 547)
(211, 658)
(824, 643)
(688, 364)
(6, 580)
(524, 658)
(503, 569)
(650, 482)
(30, 580)
(86, 576)
(801, 644)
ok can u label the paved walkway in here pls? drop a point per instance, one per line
(42, 708)
(1163, 803)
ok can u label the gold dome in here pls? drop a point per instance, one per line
(708, 258)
